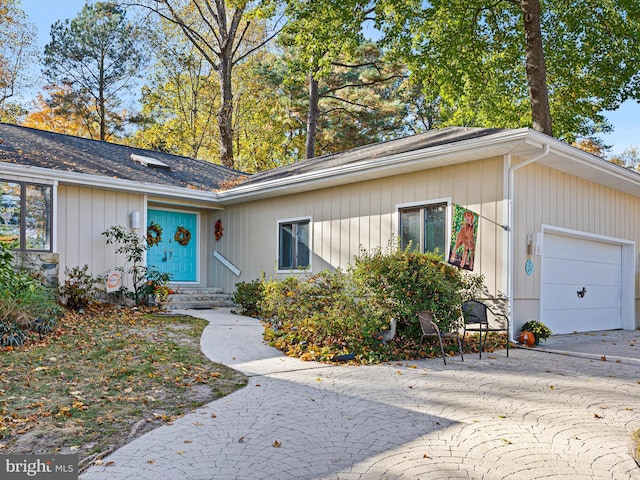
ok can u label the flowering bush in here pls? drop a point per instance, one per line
(539, 329)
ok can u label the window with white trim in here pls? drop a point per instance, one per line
(424, 227)
(25, 215)
(293, 244)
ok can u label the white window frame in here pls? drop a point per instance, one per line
(309, 221)
(24, 184)
(423, 204)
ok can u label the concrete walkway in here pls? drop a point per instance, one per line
(530, 416)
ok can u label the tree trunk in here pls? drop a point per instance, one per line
(312, 119)
(535, 67)
(225, 115)
(102, 113)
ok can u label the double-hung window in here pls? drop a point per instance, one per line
(293, 244)
(25, 215)
(424, 227)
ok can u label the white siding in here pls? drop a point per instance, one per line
(83, 214)
(363, 214)
(547, 196)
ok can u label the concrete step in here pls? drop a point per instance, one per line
(198, 298)
(182, 290)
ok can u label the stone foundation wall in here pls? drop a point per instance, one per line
(43, 263)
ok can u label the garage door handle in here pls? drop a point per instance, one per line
(581, 293)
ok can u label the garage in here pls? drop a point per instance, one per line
(582, 288)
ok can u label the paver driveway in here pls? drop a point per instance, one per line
(530, 416)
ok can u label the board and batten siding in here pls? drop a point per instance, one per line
(83, 214)
(363, 215)
(547, 196)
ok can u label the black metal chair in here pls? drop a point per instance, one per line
(430, 329)
(478, 317)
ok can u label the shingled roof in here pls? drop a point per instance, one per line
(428, 139)
(39, 148)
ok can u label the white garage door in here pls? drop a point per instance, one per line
(571, 265)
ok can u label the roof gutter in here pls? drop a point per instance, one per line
(369, 165)
(510, 257)
(88, 180)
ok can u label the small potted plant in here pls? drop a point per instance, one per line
(540, 330)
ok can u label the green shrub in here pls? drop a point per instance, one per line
(399, 283)
(157, 284)
(145, 280)
(46, 325)
(316, 317)
(79, 289)
(24, 302)
(11, 335)
(248, 296)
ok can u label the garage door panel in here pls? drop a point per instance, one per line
(571, 263)
(566, 296)
(581, 320)
(557, 246)
(572, 271)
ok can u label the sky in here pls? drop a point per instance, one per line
(625, 120)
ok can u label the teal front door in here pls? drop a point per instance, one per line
(177, 250)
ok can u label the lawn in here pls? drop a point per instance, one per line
(103, 378)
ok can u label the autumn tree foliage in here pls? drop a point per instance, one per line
(228, 84)
(180, 98)
(44, 115)
(225, 35)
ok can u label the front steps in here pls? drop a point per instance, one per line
(198, 298)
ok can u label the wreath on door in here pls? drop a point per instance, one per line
(182, 236)
(154, 234)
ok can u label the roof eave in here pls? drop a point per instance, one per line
(109, 183)
(496, 144)
(573, 161)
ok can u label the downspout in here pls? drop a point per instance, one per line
(510, 258)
